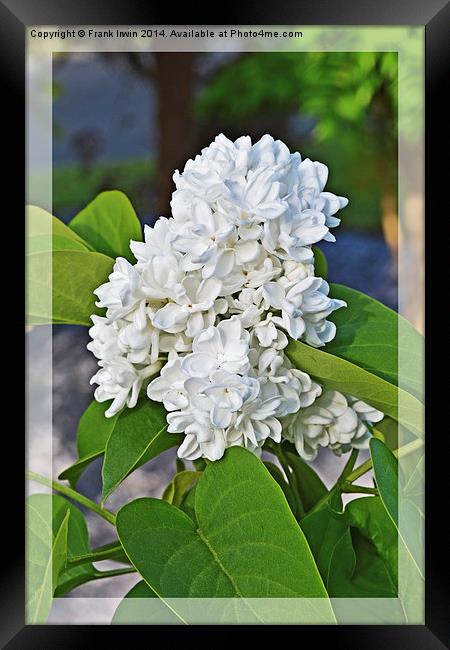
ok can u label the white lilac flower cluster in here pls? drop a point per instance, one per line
(213, 295)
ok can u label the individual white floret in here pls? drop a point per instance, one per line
(120, 381)
(224, 347)
(332, 421)
(304, 309)
(191, 299)
(104, 335)
(123, 291)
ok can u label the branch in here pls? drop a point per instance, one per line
(72, 494)
(358, 489)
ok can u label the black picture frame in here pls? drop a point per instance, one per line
(15, 15)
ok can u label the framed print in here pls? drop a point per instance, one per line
(225, 319)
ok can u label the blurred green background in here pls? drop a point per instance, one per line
(128, 120)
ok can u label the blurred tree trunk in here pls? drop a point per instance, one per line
(412, 236)
(384, 116)
(174, 85)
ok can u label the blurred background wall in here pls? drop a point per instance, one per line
(127, 121)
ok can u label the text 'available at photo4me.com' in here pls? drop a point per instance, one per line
(162, 32)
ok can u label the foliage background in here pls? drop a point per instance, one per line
(126, 121)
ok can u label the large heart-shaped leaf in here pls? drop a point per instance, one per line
(372, 336)
(339, 374)
(385, 468)
(139, 435)
(45, 557)
(60, 285)
(245, 543)
(93, 432)
(108, 223)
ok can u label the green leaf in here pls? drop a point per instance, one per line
(368, 336)
(108, 223)
(387, 431)
(412, 503)
(77, 544)
(179, 486)
(93, 432)
(46, 556)
(411, 531)
(385, 468)
(355, 550)
(364, 562)
(45, 233)
(278, 476)
(368, 515)
(53, 508)
(142, 605)
(60, 286)
(339, 374)
(59, 550)
(323, 529)
(43, 243)
(310, 487)
(320, 263)
(357, 571)
(140, 434)
(246, 543)
(188, 503)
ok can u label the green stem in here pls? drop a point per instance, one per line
(359, 471)
(342, 478)
(398, 453)
(292, 481)
(107, 552)
(363, 469)
(323, 500)
(72, 494)
(349, 465)
(359, 489)
(114, 572)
